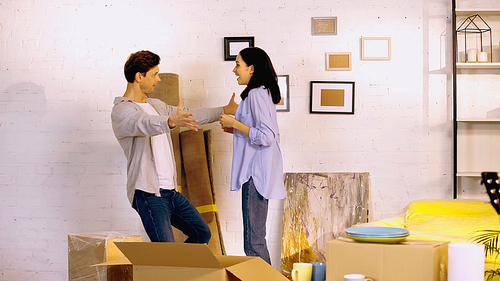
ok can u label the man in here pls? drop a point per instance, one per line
(142, 127)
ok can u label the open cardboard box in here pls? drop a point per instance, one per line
(179, 261)
(412, 260)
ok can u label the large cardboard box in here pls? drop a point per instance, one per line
(194, 262)
(87, 249)
(410, 261)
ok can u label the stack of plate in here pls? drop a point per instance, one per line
(377, 234)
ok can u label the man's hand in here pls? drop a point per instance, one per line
(231, 107)
(182, 119)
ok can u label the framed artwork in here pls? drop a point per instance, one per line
(284, 104)
(332, 97)
(233, 45)
(338, 61)
(376, 48)
(322, 205)
(324, 26)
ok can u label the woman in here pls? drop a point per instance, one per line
(257, 162)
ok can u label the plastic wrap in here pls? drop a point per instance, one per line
(445, 220)
(317, 208)
(85, 250)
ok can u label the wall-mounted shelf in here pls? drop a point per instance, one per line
(493, 120)
(478, 64)
(468, 12)
(469, 174)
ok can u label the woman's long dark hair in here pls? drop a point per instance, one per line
(263, 74)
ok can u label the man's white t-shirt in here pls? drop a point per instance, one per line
(161, 153)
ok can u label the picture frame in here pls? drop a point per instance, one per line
(283, 84)
(375, 48)
(332, 97)
(324, 26)
(233, 45)
(339, 61)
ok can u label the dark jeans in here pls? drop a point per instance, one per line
(254, 222)
(159, 214)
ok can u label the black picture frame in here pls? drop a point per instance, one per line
(332, 97)
(233, 45)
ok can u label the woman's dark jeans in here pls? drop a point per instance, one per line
(254, 222)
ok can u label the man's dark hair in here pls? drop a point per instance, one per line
(141, 62)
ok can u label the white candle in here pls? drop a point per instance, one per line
(482, 56)
(472, 55)
(462, 57)
(465, 261)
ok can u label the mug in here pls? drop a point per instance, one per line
(302, 271)
(356, 277)
(318, 271)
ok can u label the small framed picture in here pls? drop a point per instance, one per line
(376, 48)
(332, 97)
(284, 104)
(338, 61)
(233, 45)
(324, 26)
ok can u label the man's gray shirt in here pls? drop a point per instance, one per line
(133, 128)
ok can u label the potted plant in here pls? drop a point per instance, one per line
(490, 240)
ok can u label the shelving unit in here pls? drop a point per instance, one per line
(476, 109)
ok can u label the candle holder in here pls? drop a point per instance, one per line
(475, 26)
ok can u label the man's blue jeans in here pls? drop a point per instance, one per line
(254, 221)
(159, 214)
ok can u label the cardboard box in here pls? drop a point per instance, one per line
(194, 262)
(410, 261)
(85, 250)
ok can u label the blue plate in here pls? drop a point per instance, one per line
(389, 240)
(377, 232)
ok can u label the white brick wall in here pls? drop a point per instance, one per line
(62, 171)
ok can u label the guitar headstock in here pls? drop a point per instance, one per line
(490, 181)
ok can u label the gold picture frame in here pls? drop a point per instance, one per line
(340, 61)
(375, 48)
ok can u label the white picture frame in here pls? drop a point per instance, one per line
(375, 48)
(283, 84)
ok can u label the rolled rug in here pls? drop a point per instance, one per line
(194, 158)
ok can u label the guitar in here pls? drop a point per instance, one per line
(490, 181)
